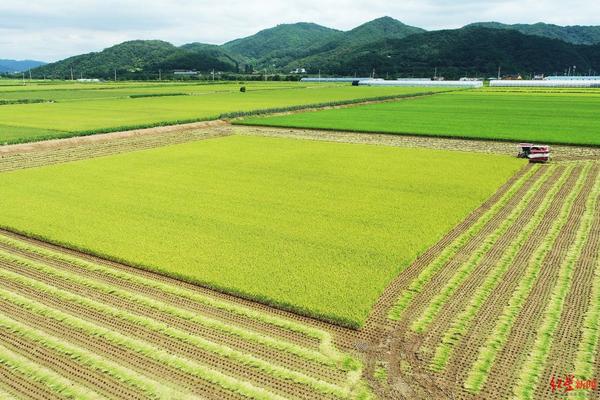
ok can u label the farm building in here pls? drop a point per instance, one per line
(573, 78)
(330, 80)
(421, 83)
(567, 83)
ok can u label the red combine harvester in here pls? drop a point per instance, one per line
(535, 153)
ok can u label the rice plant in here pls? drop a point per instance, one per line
(463, 272)
(416, 286)
(463, 321)
(496, 339)
(37, 373)
(533, 366)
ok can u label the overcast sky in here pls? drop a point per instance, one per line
(50, 30)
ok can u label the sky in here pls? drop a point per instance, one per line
(50, 30)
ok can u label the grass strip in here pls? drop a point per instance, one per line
(266, 367)
(587, 351)
(150, 388)
(463, 272)
(35, 372)
(533, 366)
(143, 348)
(245, 334)
(397, 311)
(326, 346)
(462, 322)
(496, 340)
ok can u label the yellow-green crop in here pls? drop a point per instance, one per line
(319, 228)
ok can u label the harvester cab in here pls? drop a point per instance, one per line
(535, 153)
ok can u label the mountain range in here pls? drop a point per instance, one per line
(385, 45)
(12, 66)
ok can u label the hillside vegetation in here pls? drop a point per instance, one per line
(385, 45)
(573, 34)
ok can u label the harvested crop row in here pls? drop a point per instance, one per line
(532, 368)
(432, 310)
(37, 291)
(419, 283)
(198, 348)
(463, 321)
(479, 371)
(58, 383)
(72, 152)
(521, 294)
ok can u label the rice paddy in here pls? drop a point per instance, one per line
(559, 117)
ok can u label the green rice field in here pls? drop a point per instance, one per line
(78, 109)
(550, 116)
(315, 227)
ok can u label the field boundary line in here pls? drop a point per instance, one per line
(194, 123)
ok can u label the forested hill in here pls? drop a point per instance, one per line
(574, 34)
(385, 45)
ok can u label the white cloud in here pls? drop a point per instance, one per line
(55, 29)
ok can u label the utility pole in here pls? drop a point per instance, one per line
(115, 74)
(319, 75)
(213, 74)
(23, 78)
(499, 72)
(160, 74)
(72, 77)
(29, 74)
(435, 74)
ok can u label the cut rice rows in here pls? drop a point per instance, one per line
(77, 327)
(511, 301)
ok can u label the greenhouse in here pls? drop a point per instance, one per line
(421, 83)
(573, 83)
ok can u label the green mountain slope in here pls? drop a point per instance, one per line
(378, 30)
(467, 51)
(575, 34)
(140, 58)
(283, 43)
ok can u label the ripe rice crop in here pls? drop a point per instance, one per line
(463, 321)
(70, 314)
(280, 221)
(432, 310)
